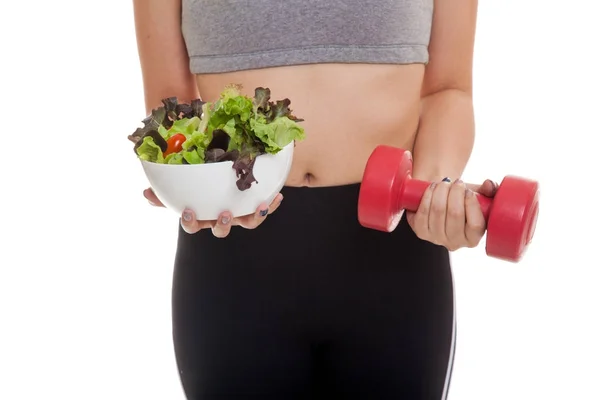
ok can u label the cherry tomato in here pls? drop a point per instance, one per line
(174, 143)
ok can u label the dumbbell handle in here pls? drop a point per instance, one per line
(412, 191)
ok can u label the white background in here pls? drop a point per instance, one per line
(86, 265)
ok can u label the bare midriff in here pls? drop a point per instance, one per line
(347, 110)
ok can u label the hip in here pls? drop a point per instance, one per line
(313, 237)
(311, 301)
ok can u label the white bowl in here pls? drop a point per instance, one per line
(210, 189)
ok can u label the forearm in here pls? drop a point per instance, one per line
(445, 136)
(162, 53)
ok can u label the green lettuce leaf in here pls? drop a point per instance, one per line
(234, 128)
(149, 150)
(186, 126)
(194, 155)
(276, 134)
(174, 158)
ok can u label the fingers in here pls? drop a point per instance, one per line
(254, 220)
(475, 221)
(450, 215)
(487, 188)
(456, 215)
(437, 212)
(420, 219)
(191, 225)
(275, 203)
(222, 226)
(152, 199)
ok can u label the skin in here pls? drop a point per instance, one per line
(427, 109)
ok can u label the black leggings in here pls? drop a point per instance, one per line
(310, 305)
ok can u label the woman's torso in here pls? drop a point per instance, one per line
(353, 70)
(347, 109)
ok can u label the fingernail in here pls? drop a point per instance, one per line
(446, 179)
(225, 219)
(458, 182)
(187, 216)
(280, 198)
(468, 193)
(433, 185)
(263, 213)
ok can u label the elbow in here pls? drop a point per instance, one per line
(456, 92)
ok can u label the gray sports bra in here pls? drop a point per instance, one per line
(233, 35)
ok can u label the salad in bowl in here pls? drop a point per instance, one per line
(228, 155)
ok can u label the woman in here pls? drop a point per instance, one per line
(311, 305)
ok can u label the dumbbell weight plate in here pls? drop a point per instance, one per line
(378, 206)
(513, 218)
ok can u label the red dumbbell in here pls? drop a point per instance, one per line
(388, 189)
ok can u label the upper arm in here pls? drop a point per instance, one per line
(451, 47)
(163, 56)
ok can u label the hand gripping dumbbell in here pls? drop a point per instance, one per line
(387, 189)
